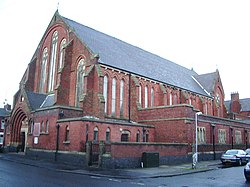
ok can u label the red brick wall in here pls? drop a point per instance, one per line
(133, 150)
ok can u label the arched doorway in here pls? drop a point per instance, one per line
(19, 130)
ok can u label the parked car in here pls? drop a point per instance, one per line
(247, 171)
(234, 156)
(247, 151)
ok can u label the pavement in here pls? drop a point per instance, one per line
(161, 171)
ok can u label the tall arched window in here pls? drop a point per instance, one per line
(140, 94)
(105, 93)
(43, 71)
(175, 99)
(47, 126)
(113, 96)
(146, 97)
(42, 127)
(62, 50)
(53, 61)
(80, 81)
(152, 97)
(121, 97)
(170, 99)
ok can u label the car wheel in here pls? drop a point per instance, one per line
(240, 162)
(247, 179)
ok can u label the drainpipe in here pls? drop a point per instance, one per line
(129, 97)
(213, 140)
(57, 140)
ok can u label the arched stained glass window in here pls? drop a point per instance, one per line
(121, 97)
(140, 94)
(53, 61)
(152, 97)
(105, 93)
(80, 81)
(62, 51)
(113, 96)
(43, 71)
(146, 96)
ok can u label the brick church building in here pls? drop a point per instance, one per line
(89, 98)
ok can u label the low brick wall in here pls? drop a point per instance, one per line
(75, 158)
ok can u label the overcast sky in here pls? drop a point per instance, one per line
(198, 34)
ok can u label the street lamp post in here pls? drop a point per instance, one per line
(195, 155)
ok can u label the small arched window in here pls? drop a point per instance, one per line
(80, 81)
(43, 72)
(31, 125)
(108, 135)
(67, 133)
(62, 51)
(147, 136)
(42, 127)
(105, 93)
(138, 136)
(125, 136)
(96, 134)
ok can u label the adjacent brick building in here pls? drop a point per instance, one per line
(4, 115)
(90, 98)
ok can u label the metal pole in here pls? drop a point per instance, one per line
(57, 140)
(196, 138)
(195, 156)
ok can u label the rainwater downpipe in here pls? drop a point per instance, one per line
(129, 97)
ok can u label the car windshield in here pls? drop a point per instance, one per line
(247, 151)
(232, 152)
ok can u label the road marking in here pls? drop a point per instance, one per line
(138, 183)
(94, 177)
(115, 180)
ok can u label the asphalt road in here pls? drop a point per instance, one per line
(222, 177)
(15, 174)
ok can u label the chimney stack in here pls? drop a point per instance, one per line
(235, 105)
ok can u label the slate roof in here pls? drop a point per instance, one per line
(37, 100)
(207, 81)
(227, 105)
(49, 101)
(4, 113)
(121, 55)
(245, 104)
